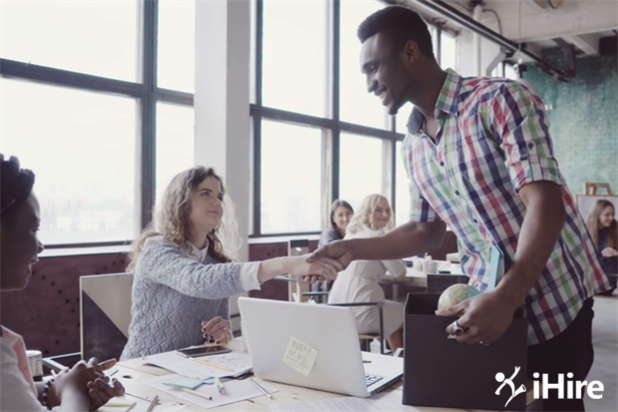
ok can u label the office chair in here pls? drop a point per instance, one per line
(105, 314)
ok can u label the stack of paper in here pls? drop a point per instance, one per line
(126, 404)
(390, 401)
(231, 364)
(236, 391)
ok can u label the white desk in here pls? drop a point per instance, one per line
(131, 372)
(417, 278)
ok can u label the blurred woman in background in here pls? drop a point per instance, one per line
(603, 228)
(340, 214)
(359, 282)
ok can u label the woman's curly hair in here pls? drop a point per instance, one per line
(171, 218)
(364, 215)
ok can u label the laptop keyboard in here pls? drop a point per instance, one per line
(371, 379)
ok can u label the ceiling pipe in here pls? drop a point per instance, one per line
(476, 41)
(455, 15)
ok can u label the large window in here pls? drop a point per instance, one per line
(175, 130)
(361, 167)
(85, 193)
(448, 55)
(82, 105)
(318, 134)
(176, 45)
(357, 106)
(290, 177)
(99, 38)
(295, 56)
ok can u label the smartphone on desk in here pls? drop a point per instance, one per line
(203, 351)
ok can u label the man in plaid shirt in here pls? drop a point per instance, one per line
(480, 160)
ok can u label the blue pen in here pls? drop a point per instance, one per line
(220, 387)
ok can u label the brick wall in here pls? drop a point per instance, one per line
(46, 313)
(584, 118)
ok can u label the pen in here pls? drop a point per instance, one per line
(257, 385)
(220, 387)
(196, 393)
(204, 362)
(138, 397)
(152, 404)
(210, 364)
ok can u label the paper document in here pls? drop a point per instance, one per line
(230, 364)
(126, 403)
(235, 391)
(390, 401)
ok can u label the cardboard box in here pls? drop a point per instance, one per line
(437, 283)
(441, 372)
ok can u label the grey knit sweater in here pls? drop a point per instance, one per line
(172, 294)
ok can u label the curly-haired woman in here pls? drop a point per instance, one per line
(184, 271)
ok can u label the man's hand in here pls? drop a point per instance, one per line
(484, 318)
(339, 250)
(321, 269)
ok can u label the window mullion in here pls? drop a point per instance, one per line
(148, 112)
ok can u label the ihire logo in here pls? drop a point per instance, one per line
(574, 389)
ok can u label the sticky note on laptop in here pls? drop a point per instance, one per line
(300, 356)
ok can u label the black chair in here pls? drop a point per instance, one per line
(105, 314)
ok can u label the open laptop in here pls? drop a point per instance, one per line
(340, 366)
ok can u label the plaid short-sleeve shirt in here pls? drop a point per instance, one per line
(493, 140)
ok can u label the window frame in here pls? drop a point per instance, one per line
(148, 94)
(145, 91)
(332, 124)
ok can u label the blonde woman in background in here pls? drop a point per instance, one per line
(184, 271)
(359, 282)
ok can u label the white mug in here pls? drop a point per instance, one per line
(430, 267)
(35, 359)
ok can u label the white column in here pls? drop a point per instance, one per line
(222, 124)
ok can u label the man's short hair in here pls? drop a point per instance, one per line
(401, 25)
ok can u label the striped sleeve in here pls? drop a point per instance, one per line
(519, 119)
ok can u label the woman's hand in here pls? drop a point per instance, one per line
(217, 329)
(101, 391)
(72, 384)
(339, 250)
(609, 252)
(321, 269)
(87, 381)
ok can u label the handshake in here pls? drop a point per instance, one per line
(323, 264)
